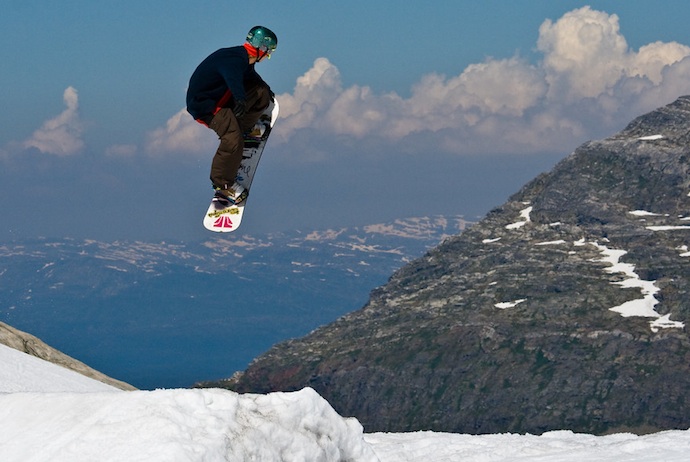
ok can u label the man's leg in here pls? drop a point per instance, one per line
(258, 99)
(228, 157)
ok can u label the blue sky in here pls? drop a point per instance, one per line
(389, 110)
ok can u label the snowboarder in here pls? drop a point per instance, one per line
(227, 95)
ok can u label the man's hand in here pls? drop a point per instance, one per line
(240, 108)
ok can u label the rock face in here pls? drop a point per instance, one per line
(27, 343)
(565, 308)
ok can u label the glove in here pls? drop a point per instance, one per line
(240, 108)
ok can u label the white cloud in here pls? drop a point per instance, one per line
(62, 134)
(584, 53)
(315, 91)
(585, 56)
(588, 84)
(653, 59)
(181, 134)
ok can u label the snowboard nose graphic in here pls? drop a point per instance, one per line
(223, 222)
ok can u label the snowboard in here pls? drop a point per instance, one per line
(224, 219)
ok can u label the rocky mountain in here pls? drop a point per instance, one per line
(565, 308)
(170, 314)
(27, 343)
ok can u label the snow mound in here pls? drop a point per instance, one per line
(177, 425)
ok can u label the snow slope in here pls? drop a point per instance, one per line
(22, 372)
(48, 413)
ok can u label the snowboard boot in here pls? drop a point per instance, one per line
(256, 133)
(233, 195)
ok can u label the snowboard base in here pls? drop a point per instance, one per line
(221, 218)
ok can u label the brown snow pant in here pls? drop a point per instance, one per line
(229, 129)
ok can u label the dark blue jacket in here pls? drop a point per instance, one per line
(219, 78)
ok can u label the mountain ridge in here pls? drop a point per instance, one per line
(564, 308)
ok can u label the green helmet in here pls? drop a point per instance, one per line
(263, 39)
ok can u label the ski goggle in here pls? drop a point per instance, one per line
(267, 50)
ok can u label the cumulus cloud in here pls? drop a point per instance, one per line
(586, 56)
(587, 84)
(584, 53)
(180, 134)
(60, 135)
